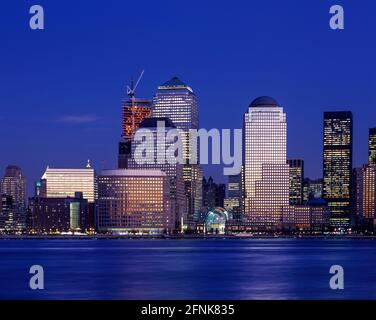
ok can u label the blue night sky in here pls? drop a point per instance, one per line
(61, 88)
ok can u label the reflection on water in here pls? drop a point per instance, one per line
(188, 269)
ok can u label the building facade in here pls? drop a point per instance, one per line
(161, 141)
(312, 189)
(337, 166)
(266, 173)
(177, 101)
(63, 183)
(134, 202)
(296, 178)
(13, 184)
(13, 195)
(59, 215)
(213, 194)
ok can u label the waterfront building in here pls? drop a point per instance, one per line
(134, 202)
(296, 178)
(266, 173)
(59, 215)
(314, 217)
(176, 100)
(159, 127)
(63, 183)
(364, 197)
(337, 166)
(213, 221)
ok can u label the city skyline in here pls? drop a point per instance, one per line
(76, 104)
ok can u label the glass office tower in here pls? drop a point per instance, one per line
(337, 166)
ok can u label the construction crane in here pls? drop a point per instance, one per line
(131, 90)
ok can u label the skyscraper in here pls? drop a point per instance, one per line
(62, 183)
(296, 177)
(372, 147)
(159, 127)
(266, 174)
(177, 101)
(338, 131)
(14, 184)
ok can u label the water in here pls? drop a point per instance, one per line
(188, 269)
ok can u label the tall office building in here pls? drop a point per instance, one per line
(14, 184)
(337, 166)
(266, 173)
(134, 112)
(161, 142)
(134, 201)
(372, 147)
(62, 183)
(177, 101)
(296, 177)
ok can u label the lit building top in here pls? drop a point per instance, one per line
(62, 183)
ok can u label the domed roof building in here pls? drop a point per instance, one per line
(215, 220)
(264, 101)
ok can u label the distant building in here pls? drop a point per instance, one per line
(63, 183)
(311, 189)
(12, 220)
(170, 165)
(296, 178)
(364, 197)
(14, 184)
(58, 215)
(266, 174)
(134, 201)
(337, 165)
(233, 201)
(372, 147)
(176, 100)
(213, 194)
(13, 195)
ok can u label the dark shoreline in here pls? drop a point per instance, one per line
(181, 237)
